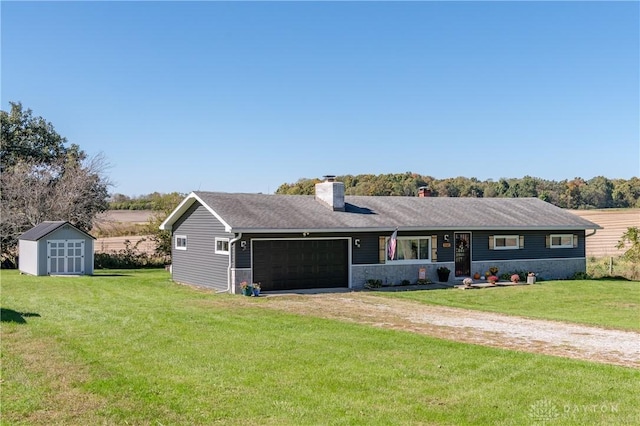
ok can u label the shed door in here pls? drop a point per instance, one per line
(65, 256)
(300, 264)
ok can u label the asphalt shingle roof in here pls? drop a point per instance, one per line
(264, 212)
(42, 229)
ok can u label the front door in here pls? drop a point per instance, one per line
(65, 257)
(463, 254)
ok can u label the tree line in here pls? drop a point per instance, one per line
(596, 193)
(155, 201)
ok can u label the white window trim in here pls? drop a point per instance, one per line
(408, 261)
(180, 237)
(226, 240)
(515, 237)
(560, 246)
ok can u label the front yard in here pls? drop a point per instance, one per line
(603, 302)
(131, 347)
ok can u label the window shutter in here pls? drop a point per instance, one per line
(382, 250)
(575, 241)
(548, 241)
(521, 241)
(434, 248)
(491, 242)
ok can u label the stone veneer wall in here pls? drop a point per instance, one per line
(239, 275)
(394, 274)
(548, 269)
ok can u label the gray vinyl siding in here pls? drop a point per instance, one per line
(534, 246)
(199, 264)
(369, 250)
(243, 257)
(445, 254)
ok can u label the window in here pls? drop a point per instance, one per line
(506, 242)
(411, 249)
(181, 242)
(222, 246)
(562, 241)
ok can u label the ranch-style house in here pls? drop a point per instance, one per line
(328, 240)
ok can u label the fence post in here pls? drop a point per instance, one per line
(611, 265)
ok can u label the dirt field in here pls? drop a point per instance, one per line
(116, 218)
(615, 222)
(124, 216)
(103, 245)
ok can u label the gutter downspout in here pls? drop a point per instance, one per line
(591, 234)
(231, 243)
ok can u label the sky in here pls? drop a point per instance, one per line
(246, 96)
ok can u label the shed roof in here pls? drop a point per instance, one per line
(288, 213)
(45, 228)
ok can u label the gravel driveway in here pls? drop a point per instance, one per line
(462, 325)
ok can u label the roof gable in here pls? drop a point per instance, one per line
(274, 212)
(45, 228)
(189, 200)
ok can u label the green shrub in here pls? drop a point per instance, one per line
(128, 258)
(372, 283)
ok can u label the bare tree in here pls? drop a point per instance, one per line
(32, 192)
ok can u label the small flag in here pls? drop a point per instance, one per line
(391, 250)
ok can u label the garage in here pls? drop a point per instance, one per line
(300, 264)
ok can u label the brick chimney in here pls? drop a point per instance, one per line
(424, 191)
(331, 193)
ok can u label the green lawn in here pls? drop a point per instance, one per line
(608, 303)
(133, 348)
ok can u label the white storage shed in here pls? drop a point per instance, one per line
(56, 248)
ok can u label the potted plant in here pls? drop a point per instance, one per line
(493, 271)
(247, 289)
(256, 289)
(515, 278)
(466, 283)
(443, 274)
(492, 279)
(531, 278)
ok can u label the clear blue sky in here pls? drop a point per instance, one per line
(242, 97)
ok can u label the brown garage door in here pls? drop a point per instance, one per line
(299, 264)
